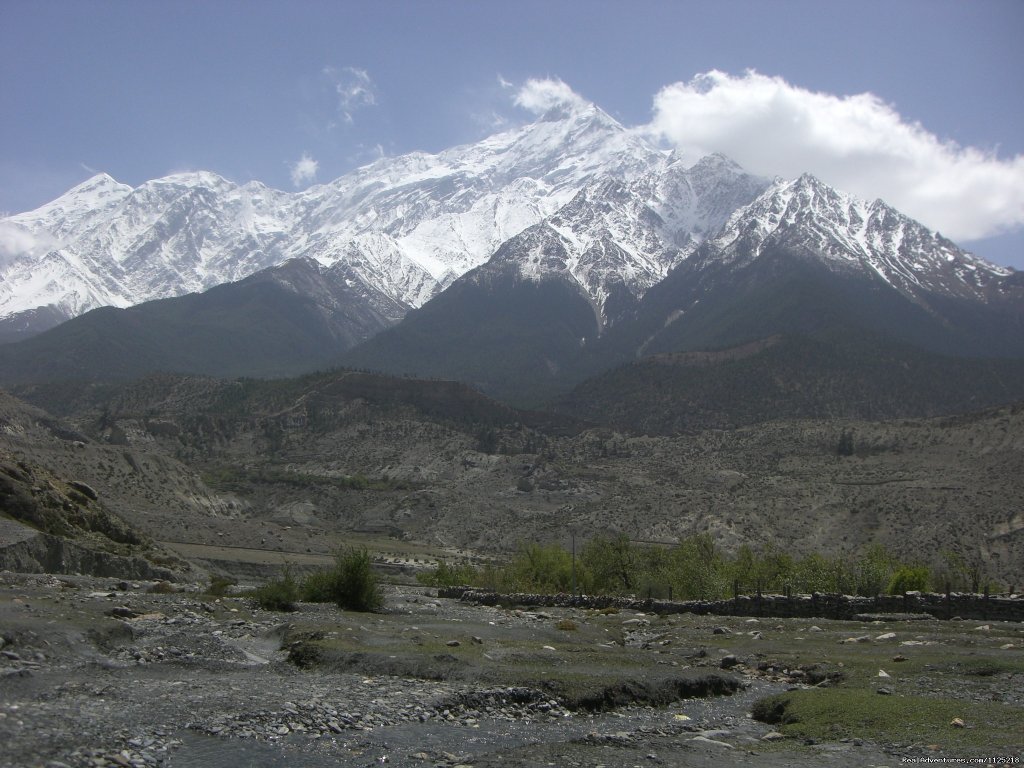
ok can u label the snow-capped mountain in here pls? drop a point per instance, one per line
(573, 239)
(618, 237)
(406, 226)
(808, 216)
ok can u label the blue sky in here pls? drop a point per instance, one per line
(929, 92)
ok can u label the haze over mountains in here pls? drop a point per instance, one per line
(523, 265)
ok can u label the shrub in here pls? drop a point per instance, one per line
(280, 594)
(162, 588)
(463, 575)
(909, 578)
(542, 569)
(567, 625)
(356, 586)
(319, 586)
(219, 585)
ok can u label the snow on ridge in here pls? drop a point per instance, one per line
(617, 211)
(849, 232)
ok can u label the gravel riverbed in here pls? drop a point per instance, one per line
(96, 672)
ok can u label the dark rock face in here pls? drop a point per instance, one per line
(44, 553)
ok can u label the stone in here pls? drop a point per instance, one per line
(453, 643)
(715, 742)
(772, 736)
(957, 722)
(728, 662)
(884, 692)
(886, 636)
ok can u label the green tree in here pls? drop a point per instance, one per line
(697, 570)
(612, 564)
(539, 568)
(873, 570)
(908, 578)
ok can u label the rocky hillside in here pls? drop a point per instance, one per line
(295, 464)
(50, 521)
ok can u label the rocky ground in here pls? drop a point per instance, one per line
(102, 672)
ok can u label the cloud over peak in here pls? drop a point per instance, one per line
(856, 143)
(303, 170)
(540, 95)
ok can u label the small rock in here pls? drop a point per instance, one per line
(956, 722)
(122, 612)
(772, 736)
(899, 657)
(453, 643)
(715, 742)
(721, 631)
(815, 629)
(886, 636)
(728, 662)
(883, 673)
(884, 692)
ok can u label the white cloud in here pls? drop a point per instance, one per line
(15, 241)
(538, 96)
(353, 88)
(856, 143)
(304, 170)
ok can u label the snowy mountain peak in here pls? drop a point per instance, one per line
(101, 183)
(808, 217)
(604, 206)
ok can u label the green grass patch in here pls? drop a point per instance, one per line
(831, 714)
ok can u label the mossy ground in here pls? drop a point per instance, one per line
(833, 714)
(935, 671)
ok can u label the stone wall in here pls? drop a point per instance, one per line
(910, 605)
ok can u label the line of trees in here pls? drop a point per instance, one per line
(696, 569)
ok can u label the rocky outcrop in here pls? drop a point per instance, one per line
(25, 550)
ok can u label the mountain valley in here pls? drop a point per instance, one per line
(562, 326)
